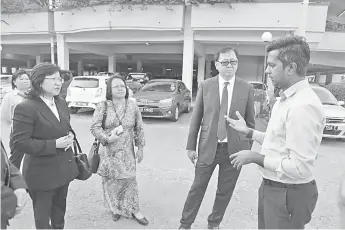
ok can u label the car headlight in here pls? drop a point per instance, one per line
(166, 101)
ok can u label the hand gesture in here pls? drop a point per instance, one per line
(64, 142)
(240, 125)
(241, 158)
(21, 195)
(139, 155)
(193, 156)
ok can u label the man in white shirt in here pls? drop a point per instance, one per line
(218, 96)
(288, 193)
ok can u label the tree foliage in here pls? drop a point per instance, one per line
(16, 6)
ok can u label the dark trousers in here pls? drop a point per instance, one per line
(16, 156)
(227, 179)
(49, 206)
(283, 206)
(4, 222)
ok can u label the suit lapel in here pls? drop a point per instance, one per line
(215, 89)
(47, 113)
(235, 92)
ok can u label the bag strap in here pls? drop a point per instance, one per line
(76, 146)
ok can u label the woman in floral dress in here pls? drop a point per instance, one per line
(123, 128)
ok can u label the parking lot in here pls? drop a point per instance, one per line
(165, 176)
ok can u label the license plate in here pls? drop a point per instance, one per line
(331, 127)
(81, 103)
(146, 110)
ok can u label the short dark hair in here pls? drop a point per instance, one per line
(38, 74)
(223, 51)
(109, 93)
(292, 49)
(16, 75)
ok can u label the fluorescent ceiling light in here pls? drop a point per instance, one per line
(341, 14)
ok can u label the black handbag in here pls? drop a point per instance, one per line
(82, 162)
(93, 154)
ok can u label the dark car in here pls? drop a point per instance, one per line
(164, 98)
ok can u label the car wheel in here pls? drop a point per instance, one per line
(73, 110)
(341, 139)
(176, 114)
(189, 107)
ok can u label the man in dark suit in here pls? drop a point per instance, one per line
(219, 96)
(13, 190)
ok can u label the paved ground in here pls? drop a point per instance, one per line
(165, 177)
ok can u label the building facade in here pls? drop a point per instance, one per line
(176, 41)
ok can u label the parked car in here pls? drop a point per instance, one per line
(335, 113)
(86, 92)
(5, 85)
(164, 98)
(139, 77)
(108, 74)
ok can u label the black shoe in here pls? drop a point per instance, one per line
(142, 221)
(116, 217)
(212, 227)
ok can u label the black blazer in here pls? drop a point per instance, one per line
(11, 179)
(35, 129)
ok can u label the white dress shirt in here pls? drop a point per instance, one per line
(52, 106)
(293, 136)
(230, 88)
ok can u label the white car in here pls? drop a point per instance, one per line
(87, 92)
(335, 113)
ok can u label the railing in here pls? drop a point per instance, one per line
(335, 27)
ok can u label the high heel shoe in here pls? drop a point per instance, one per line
(116, 217)
(142, 221)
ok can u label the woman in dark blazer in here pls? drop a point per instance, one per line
(41, 129)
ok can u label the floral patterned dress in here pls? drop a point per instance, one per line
(117, 160)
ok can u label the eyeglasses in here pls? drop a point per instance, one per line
(226, 63)
(118, 87)
(55, 79)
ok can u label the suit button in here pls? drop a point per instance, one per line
(69, 161)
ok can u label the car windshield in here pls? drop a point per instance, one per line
(160, 87)
(325, 96)
(85, 83)
(137, 76)
(258, 86)
(5, 80)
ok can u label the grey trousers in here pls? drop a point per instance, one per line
(284, 206)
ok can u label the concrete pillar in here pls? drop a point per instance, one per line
(80, 68)
(201, 68)
(112, 64)
(39, 59)
(329, 77)
(208, 69)
(29, 64)
(317, 77)
(188, 51)
(303, 20)
(62, 52)
(139, 66)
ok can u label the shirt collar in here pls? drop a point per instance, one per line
(17, 92)
(295, 87)
(221, 81)
(48, 102)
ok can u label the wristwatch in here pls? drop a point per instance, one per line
(249, 134)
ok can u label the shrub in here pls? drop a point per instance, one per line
(337, 89)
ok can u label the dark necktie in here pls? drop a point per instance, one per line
(221, 134)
